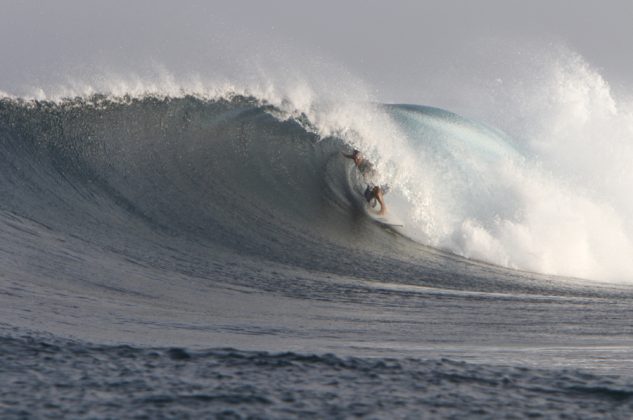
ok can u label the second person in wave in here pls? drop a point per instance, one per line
(373, 192)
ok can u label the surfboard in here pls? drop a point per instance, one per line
(387, 220)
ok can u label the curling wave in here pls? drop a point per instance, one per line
(243, 175)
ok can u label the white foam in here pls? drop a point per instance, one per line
(569, 194)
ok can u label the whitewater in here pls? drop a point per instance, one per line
(187, 247)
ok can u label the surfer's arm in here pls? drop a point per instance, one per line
(347, 156)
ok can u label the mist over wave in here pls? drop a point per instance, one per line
(575, 131)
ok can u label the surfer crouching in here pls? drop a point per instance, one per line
(373, 192)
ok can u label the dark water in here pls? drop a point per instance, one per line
(56, 378)
(186, 258)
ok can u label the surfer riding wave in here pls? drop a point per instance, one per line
(373, 193)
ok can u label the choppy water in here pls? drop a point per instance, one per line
(53, 378)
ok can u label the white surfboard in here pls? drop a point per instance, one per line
(386, 220)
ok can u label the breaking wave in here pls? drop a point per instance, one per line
(263, 173)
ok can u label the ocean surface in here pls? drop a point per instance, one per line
(194, 256)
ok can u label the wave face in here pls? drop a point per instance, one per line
(239, 174)
(222, 175)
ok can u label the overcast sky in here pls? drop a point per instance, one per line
(395, 46)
